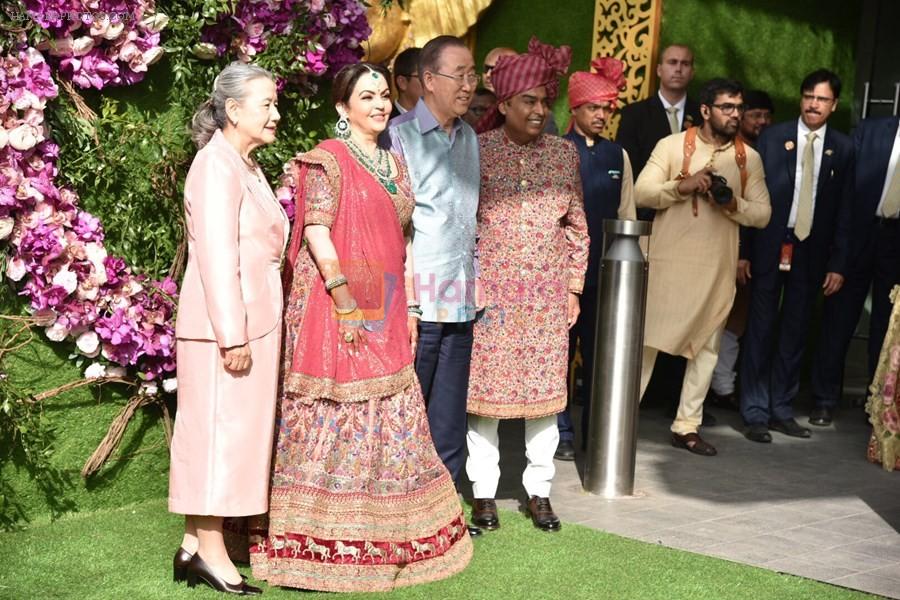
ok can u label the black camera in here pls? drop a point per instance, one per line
(719, 189)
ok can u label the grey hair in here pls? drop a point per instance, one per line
(230, 83)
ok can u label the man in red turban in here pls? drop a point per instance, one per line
(533, 251)
(608, 187)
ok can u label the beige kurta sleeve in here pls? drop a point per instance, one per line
(754, 208)
(575, 224)
(656, 186)
(626, 200)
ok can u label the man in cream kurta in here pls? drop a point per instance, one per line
(694, 247)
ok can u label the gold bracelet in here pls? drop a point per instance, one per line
(346, 311)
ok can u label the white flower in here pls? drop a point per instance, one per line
(170, 384)
(148, 388)
(66, 279)
(88, 343)
(114, 30)
(4, 137)
(115, 371)
(204, 50)
(57, 332)
(6, 227)
(24, 137)
(96, 254)
(15, 269)
(82, 45)
(156, 22)
(95, 370)
(153, 54)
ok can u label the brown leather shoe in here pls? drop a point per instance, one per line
(692, 442)
(542, 514)
(484, 514)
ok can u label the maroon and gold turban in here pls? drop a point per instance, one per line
(542, 65)
(603, 85)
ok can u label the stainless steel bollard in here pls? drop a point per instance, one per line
(618, 347)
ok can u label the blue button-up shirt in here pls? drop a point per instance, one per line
(445, 176)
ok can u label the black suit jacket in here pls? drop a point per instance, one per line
(873, 141)
(830, 238)
(644, 123)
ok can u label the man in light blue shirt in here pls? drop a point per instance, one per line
(441, 153)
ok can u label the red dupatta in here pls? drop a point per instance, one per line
(368, 237)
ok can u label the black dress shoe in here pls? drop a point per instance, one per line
(180, 565)
(821, 417)
(198, 571)
(790, 427)
(484, 513)
(474, 531)
(542, 514)
(758, 433)
(565, 450)
(727, 401)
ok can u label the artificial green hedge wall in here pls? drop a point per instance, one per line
(767, 44)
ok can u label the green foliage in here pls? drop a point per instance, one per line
(126, 152)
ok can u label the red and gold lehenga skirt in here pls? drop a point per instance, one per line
(360, 499)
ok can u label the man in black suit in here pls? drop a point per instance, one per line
(641, 126)
(668, 111)
(875, 263)
(406, 81)
(805, 247)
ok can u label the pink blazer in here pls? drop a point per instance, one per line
(237, 232)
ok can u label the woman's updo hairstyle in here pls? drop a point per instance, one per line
(230, 83)
(346, 78)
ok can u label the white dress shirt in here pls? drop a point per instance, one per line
(818, 146)
(892, 166)
(679, 105)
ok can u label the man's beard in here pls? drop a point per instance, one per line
(722, 132)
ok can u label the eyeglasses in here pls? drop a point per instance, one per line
(819, 99)
(729, 108)
(470, 78)
(408, 76)
(478, 110)
(487, 68)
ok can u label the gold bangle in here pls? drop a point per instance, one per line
(346, 311)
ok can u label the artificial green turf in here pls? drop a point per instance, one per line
(126, 553)
(80, 418)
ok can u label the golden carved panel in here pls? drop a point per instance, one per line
(628, 30)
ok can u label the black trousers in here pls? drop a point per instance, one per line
(877, 266)
(443, 356)
(773, 345)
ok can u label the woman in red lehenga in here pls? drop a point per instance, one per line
(360, 500)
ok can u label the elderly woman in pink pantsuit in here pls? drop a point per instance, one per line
(228, 328)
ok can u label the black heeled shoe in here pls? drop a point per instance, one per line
(180, 564)
(197, 570)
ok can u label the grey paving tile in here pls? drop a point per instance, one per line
(823, 538)
(843, 559)
(885, 547)
(748, 552)
(874, 584)
(890, 571)
(862, 525)
(809, 569)
(684, 540)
